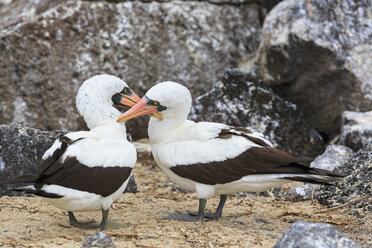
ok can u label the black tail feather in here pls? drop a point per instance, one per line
(314, 180)
(29, 179)
(38, 192)
(317, 176)
(316, 171)
(21, 179)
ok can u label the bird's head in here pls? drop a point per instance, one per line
(166, 100)
(101, 97)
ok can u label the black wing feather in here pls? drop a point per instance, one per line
(72, 174)
(254, 161)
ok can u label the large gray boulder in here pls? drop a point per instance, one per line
(48, 48)
(243, 100)
(317, 54)
(356, 129)
(356, 187)
(314, 235)
(21, 149)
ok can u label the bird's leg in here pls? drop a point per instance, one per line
(202, 203)
(200, 216)
(73, 220)
(218, 213)
(105, 214)
(212, 216)
(89, 224)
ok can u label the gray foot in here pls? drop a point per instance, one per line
(89, 224)
(207, 215)
(196, 217)
(186, 217)
(72, 219)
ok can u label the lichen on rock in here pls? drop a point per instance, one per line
(242, 99)
(334, 157)
(355, 190)
(317, 54)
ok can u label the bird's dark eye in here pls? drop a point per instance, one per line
(125, 91)
(155, 103)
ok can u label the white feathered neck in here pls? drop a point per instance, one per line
(177, 99)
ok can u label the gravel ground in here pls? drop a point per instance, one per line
(136, 220)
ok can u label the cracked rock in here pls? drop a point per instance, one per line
(317, 54)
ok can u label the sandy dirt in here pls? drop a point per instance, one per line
(136, 220)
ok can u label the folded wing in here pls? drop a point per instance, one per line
(85, 164)
(234, 154)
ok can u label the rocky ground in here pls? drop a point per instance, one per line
(136, 220)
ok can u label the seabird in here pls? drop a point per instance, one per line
(88, 170)
(213, 158)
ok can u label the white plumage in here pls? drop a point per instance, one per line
(88, 170)
(212, 158)
(103, 146)
(195, 147)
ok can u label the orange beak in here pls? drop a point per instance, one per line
(129, 100)
(141, 108)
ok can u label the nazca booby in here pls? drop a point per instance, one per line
(88, 170)
(213, 158)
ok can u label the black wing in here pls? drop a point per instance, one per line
(75, 175)
(255, 160)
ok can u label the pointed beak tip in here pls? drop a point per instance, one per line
(157, 115)
(139, 109)
(119, 119)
